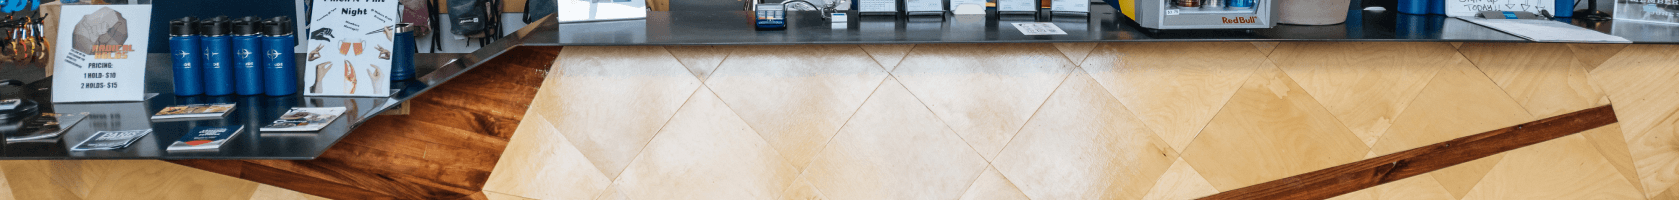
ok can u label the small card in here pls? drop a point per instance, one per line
(924, 5)
(111, 140)
(1082, 6)
(1017, 5)
(1038, 28)
(9, 104)
(205, 138)
(877, 6)
(305, 119)
(193, 111)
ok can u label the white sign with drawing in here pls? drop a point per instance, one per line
(1471, 7)
(96, 57)
(352, 55)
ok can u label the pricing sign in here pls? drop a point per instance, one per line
(1471, 7)
(95, 54)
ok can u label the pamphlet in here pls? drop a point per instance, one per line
(351, 43)
(46, 128)
(9, 104)
(205, 138)
(877, 6)
(111, 140)
(1038, 28)
(305, 119)
(193, 111)
(1546, 30)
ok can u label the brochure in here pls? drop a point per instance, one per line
(47, 127)
(194, 111)
(205, 138)
(111, 140)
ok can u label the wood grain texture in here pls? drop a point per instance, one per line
(796, 97)
(1460, 101)
(1643, 81)
(445, 149)
(984, 92)
(1180, 181)
(991, 185)
(1270, 129)
(1099, 150)
(1354, 176)
(1365, 84)
(887, 55)
(1076, 52)
(1168, 87)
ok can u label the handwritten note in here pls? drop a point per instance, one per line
(1471, 7)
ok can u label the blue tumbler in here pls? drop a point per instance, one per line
(183, 49)
(1419, 7)
(402, 57)
(1564, 9)
(280, 64)
(247, 56)
(1240, 3)
(218, 46)
(1437, 7)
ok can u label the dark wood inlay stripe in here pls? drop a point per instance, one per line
(1351, 177)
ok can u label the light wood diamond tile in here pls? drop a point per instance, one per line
(983, 91)
(499, 196)
(1270, 129)
(1076, 52)
(1084, 144)
(894, 148)
(1562, 168)
(1171, 86)
(1612, 144)
(888, 55)
(801, 189)
(1181, 181)
(1643, 81)
(1265, 47)
(1544, 77)
(540, 163)
(1460, 101)
(1457, 45)
(269, 192)
(1365, 84)
(991, 185)
(706, 152)
(1421, 187)
(700, 60)
(609, 101)
(612, 193)
(153, 179)
(1594, 55)
(797, 97)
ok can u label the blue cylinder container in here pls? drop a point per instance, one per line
(1564, 9)
(247, 56)
(218, 56)
(280, 68)
(1419, 7)
(184, 51)
(1437, 7)
(1241, 3)
(402, 57)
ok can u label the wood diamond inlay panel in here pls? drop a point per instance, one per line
(609, 101)
(1642, 82)
(706, 152)
(983, 91)
(1181, 181)
(1270, 129)
(797, 97)
(1083, 144)
(1365, 84)
(1544, 77)
(887, 55)
(700, 60)
(1169, 85)
(1563, 168)
(1460, 101)
(894, 148)
(540, 163)
(991, 185)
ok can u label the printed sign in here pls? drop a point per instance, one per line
(877, 6)
(95, 57)
(350, 48)
(1661, 11)
(1074, 6)
(1472, 7)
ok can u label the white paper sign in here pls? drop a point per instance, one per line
(1472, 7)
(924, 5)
(1016, 5)
(600, 10)
(954, 3)
(1038, 28)
(1069, 5)
(96, 58)
(877, 6)
(355, 59)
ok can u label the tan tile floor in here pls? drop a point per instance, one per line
(1083, 120)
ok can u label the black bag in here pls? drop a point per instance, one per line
(467, 17)
(535, 10)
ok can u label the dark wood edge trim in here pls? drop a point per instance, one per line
(1351, 177)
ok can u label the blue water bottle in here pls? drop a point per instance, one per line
(218, 56)
(1419, 7)
(183, 49)
(247, 56)
(1240, 3)
(402, 59)
(280, 64)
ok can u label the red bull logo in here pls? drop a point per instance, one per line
(1240, 20)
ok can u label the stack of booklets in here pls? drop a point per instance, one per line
(111, 140)
(305, 119)
(46, 127)
(205, 138)
(193, 112)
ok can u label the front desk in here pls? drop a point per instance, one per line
(468, 107)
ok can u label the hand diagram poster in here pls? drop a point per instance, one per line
(95, 54)
(350, 48)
